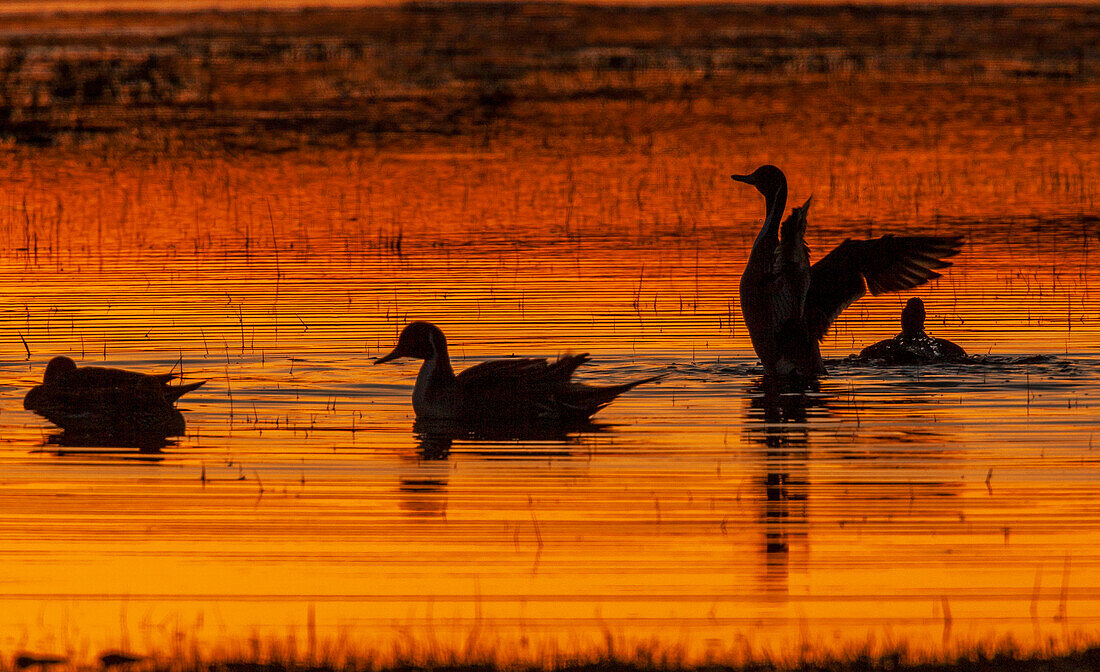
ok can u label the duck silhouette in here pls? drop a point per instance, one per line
(514, 390)
(913, 345)
(789, 305)
(97, 400)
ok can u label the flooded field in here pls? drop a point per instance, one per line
(256, 226)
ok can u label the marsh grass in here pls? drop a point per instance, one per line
(481, 654)
(388, 130)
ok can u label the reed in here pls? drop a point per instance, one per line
(481, 653)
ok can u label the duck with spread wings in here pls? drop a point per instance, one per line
(789, 305)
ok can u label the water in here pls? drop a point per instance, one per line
(305, 511)
(698, 511)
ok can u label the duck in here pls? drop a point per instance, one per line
(514, 390)
(913, 345)
(789, 305)
(43, 662)
(98, 400)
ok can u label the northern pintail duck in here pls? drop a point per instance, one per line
(789, 305)
(99, 400)
(913, 345)
(498, 391)
(43, 662)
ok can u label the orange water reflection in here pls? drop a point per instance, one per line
(703, 511)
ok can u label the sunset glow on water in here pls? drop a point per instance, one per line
(270, 225)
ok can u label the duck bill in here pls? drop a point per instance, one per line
(393, 355)
(747, 179)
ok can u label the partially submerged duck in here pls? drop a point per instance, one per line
(913, 345)
(96, 400)
(498, 391)
(789, 305)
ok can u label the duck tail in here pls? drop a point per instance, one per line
(174, 392)
(585, 400)
(641, 381)
(565, 366)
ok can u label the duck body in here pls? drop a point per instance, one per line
(913, 345)
(94, 400)
(788, 304)
(514, 390)
(773, 288)
(906, 349)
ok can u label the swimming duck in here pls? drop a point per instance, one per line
(23, 661)
(789, 305)
(913, 345)
(499, 391)
(99, 400)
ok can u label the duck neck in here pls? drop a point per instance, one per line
(912, 324)
(768, 237)
(436, 370)
(434, 394)
(440, 363)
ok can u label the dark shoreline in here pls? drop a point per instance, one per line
(1011, 660)
(741, 6)
(486, 69)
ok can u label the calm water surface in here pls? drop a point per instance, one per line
(305, 510)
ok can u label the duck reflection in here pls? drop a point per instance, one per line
(882, 440)
(120, 438)
(777, 420)
(149, 446)
(436, 438)
(423, 492)
(424, 496)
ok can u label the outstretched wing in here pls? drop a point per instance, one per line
(887, 264)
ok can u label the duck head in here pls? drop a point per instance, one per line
(35, 398)
(58, 368)
(912, 317)
(767, 179)
(420, 340)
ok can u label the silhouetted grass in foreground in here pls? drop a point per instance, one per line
(1005, 657)
(1007, 661)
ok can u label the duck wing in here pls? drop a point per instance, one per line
(514, 389)
(517, 388)
(886, 264)
(520, 374)
(99, 380)
(99, 377)
(792, 256)
(147, 393)
(791, 269)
